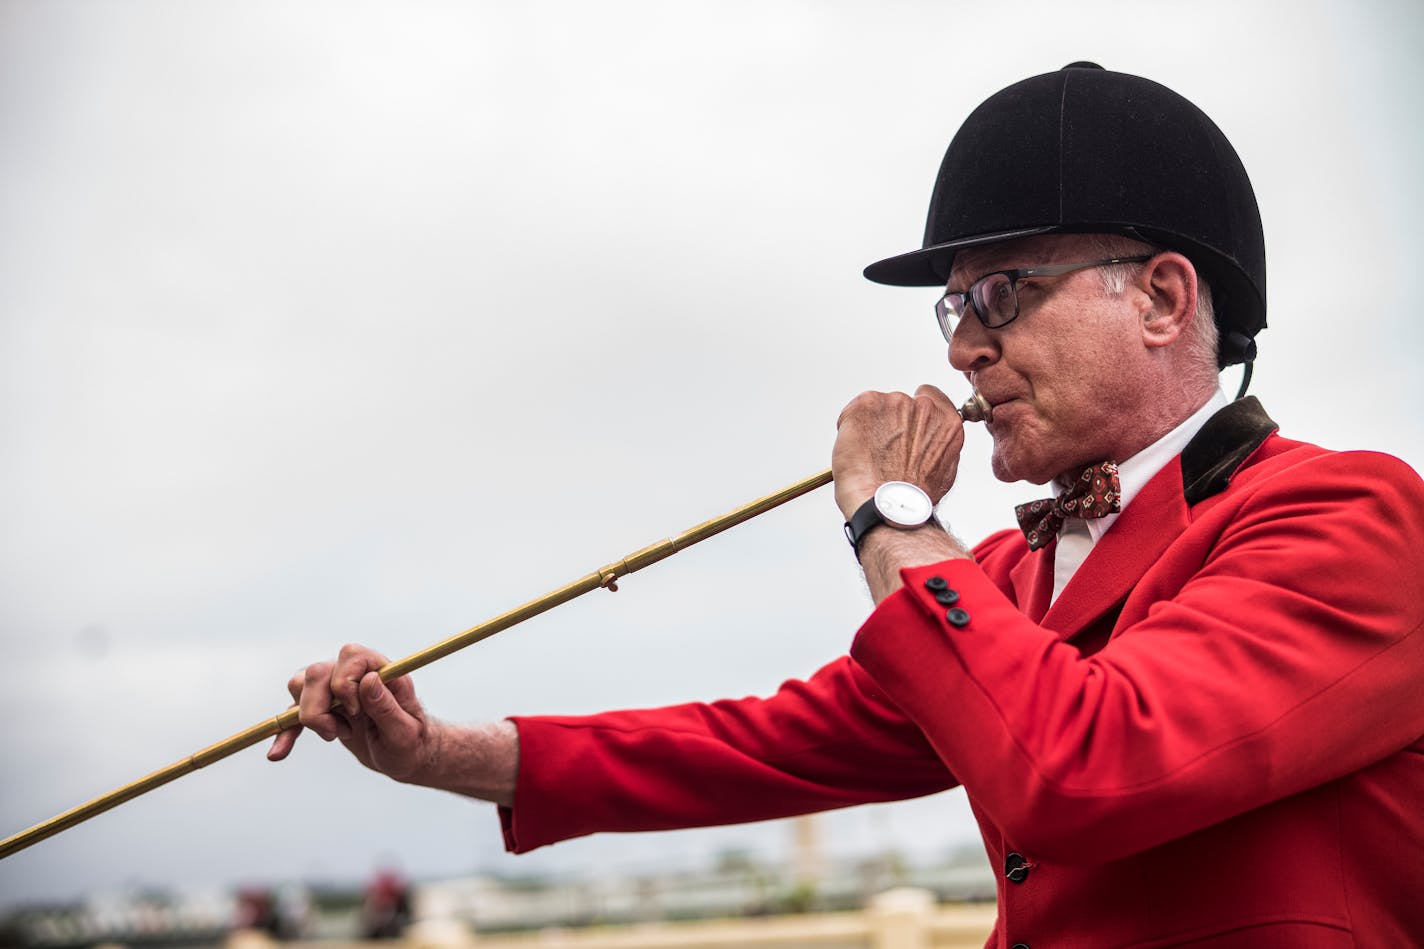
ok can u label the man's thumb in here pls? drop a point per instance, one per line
(376, 699)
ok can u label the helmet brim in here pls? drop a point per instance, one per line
(930, 266)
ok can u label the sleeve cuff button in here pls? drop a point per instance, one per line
(957, 617)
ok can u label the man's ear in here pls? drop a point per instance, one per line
(1168, 288)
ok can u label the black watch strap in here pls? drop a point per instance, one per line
(865, 517)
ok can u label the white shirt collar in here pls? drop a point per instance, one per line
(1134, 473)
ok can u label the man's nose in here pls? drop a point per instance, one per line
(973, 346)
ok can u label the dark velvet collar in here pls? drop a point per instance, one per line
(1226, 440)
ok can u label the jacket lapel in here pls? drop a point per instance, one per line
(1135, 541)
(1140, 535)
(1032, 578)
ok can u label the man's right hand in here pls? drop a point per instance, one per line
(381, 724)
(384, 726)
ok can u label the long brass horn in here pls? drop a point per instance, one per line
(976, 409)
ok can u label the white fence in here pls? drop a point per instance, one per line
(897, 919)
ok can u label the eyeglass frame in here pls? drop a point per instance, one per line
(968, 296)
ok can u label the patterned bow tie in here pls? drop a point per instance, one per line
(1095, 493)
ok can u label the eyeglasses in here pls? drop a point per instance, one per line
(995, 296)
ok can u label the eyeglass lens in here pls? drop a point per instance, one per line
(995, 299)
(992, 296)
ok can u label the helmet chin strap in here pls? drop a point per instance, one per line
(1238, 347)
(1245, 377)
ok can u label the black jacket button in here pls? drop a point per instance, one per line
(947, 597)
(935, 584)
(1019, 945)
(957, 617)
(1016, 868)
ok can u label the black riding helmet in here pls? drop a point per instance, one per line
(1086, 150)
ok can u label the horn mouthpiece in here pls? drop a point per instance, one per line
(976, 409)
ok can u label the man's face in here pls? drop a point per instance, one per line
(1050, 373)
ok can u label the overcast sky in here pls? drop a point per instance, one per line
(366, 321)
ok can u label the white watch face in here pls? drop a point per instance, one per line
(903, 504)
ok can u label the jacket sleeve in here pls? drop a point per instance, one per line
(1290, 655)
(831, 741)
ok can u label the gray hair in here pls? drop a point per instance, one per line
(1200, 337)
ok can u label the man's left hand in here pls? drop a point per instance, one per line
(891, 436)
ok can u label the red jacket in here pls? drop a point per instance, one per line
(1215, 737)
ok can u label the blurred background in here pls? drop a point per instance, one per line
(364, 321)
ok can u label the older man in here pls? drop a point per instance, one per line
(1184, 701)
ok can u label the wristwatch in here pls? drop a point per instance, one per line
(899, 504)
